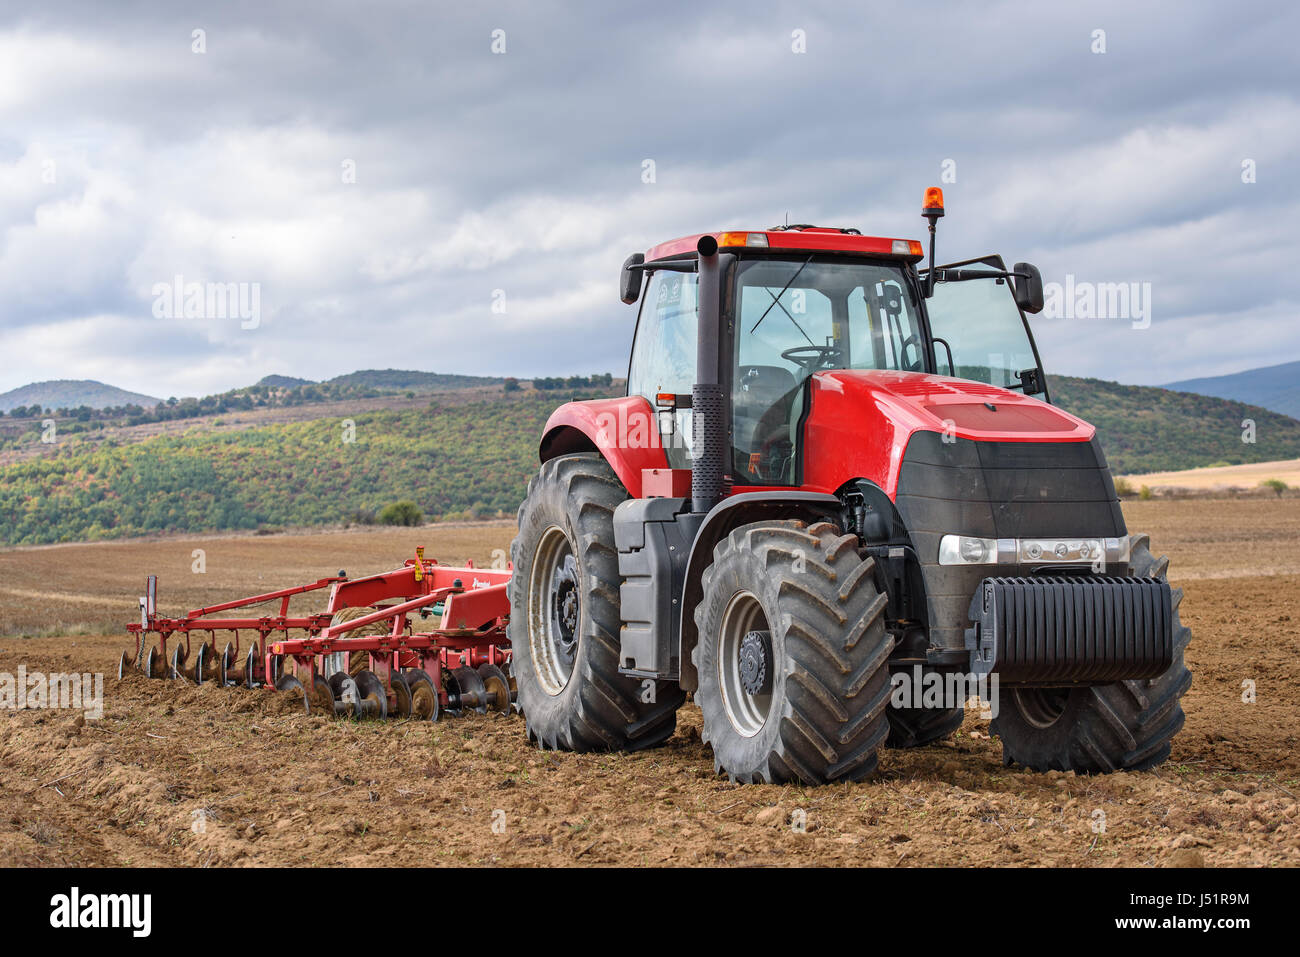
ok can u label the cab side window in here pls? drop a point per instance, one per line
(663, 356)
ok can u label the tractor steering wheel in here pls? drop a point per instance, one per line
(813, 358)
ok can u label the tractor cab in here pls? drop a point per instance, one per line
(799, 300)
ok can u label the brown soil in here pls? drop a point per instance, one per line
(174, 774)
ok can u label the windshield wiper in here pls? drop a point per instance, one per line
(776, 301)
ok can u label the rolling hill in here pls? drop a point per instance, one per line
(1149, 429)
(1273, 387)
(398, 380)
(72, 394)
(466, 452)
(469, 459)
(283, 381)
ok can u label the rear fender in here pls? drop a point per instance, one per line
(622, 430)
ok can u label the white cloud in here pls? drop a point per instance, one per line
(522, 173)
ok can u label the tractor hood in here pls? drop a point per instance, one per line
(861, 422)
(960, 407)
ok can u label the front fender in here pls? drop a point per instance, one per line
(722, 520)
(623, 430)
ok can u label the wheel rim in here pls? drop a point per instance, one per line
(1042, 707)
(554, 610)
(746, 712)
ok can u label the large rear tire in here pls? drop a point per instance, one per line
(1124, 726)
(564, 618)
(808, 701)
(359, 661)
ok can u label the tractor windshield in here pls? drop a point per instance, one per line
(796, 317)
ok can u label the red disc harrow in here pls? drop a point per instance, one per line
(423, 640)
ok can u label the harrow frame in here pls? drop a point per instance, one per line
(470, 604)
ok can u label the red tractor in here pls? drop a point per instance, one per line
(834, 473)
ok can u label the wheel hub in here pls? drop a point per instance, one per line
(755, 657)
(566, 604)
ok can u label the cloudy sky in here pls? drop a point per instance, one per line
(383, 175)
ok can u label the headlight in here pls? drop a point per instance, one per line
(969, 550)
(964, 550)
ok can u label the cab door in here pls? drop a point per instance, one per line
(978, 331)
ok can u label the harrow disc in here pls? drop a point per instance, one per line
(322, 697)
(177, 669)
(497, 686)
(424, 695)
(125, 663)
(401, 694)
(206, 663)
(225, 665)
(250, 667)
(347, 697)
(291, 683)
(466, 690)
(373, 701)
(153, 663)
(200, 656)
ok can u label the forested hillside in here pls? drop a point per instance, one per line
(463, 455)
(467, 460)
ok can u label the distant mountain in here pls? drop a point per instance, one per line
(1273, 387)
(1151, 429)
(283, 381)
(400, 380)
(72, 394)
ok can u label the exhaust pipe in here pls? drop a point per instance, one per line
(708, 430)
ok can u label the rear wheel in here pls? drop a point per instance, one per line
(564, 618)
(1124, 726)
(792, 656)
(359, 661)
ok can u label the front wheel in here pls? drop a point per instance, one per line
(565, 618)
(1123, 726)
(792, 656)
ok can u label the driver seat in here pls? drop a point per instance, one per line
(761, 403)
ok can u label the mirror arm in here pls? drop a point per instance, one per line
(669, 265)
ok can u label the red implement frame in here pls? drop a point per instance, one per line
(470, 626)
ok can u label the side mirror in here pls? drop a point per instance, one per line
(629, 281)
(1028, 285)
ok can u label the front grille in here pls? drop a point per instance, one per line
(996, 490)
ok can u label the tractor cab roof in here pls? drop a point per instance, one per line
(832, 239)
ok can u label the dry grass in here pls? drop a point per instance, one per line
(1225, 476)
